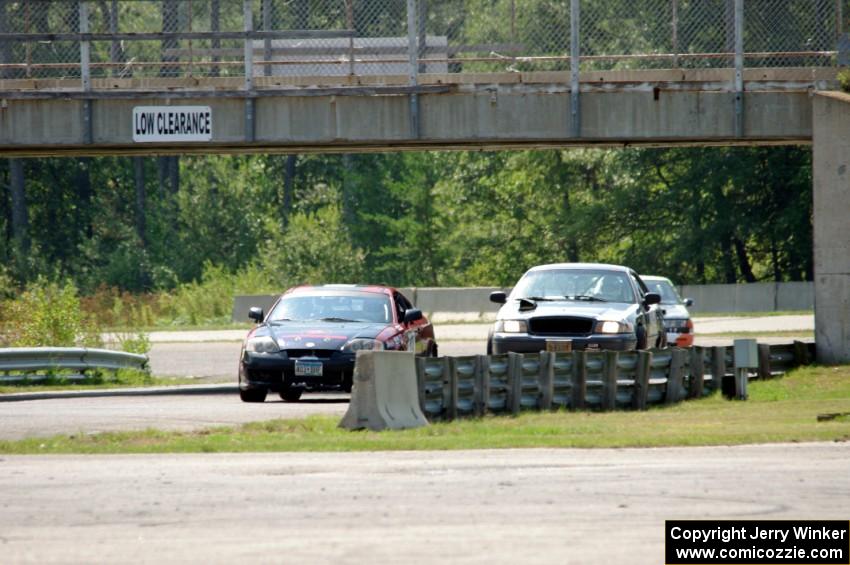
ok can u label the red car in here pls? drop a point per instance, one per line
(309, 339)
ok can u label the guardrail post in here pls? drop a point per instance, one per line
(453, 388)
(515, 382)
(675, 378)
(697, 370)
(248, 20)
(718, 367)
(609, 376)
(547, 379)
(764, 361)
(483, 384)
(579, 376)
(575, 64)
(641, 387)
(413, 66)
(449, 400)
(801, 353)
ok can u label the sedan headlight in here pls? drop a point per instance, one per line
(263, 344)
(511, 326)
(363, 344)
(611, 327)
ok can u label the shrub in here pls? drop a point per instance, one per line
(844, 80)
(211, 300)
(49, 314)
(315, 249)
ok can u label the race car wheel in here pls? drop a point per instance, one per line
(253, 395)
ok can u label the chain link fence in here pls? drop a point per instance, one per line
(370, 37)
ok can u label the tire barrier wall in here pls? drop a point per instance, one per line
(384, 395)
(18, 363)
(472, 386)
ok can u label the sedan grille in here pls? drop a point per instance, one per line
(562, 325)
(320, 353)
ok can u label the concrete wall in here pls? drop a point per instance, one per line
(241, 305)
(756, 297)
(472, 304)
(831, 172)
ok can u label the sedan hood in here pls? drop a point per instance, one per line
(613, 311)
(318, 335)
(675, 312)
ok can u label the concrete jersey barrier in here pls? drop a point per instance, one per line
(385, 394)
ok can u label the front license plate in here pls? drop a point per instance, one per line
(559, 345)
(308, 368)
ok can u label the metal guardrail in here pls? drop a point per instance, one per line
(16, 363)
(471, 386)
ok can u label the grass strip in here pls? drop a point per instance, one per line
(779, 410)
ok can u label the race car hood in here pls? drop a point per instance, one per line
(675, 311)
(613, 311)
(322, 335)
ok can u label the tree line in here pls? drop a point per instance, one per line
(697, 215)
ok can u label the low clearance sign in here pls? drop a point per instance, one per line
(172, 123)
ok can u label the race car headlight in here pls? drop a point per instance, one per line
(263, 344)
(363, 344)
(511, 326)
(611, 327)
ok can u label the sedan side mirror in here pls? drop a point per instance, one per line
(412, 315)
(498, 297)
(256, 314)
(651, 298)
(689, 302)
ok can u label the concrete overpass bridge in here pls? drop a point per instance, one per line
(173, 76)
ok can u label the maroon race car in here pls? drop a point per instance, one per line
(309, 339)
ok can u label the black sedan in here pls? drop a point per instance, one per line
(575, 306)
(310, 338)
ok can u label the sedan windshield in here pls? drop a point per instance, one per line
(575, 284)
(351, 307)
(666, 290)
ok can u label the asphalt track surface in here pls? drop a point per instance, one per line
(489, 506)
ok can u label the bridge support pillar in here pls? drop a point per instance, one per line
(831, 174)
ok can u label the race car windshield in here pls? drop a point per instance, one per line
(666, 290)
(333, 308)
(575, 284)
